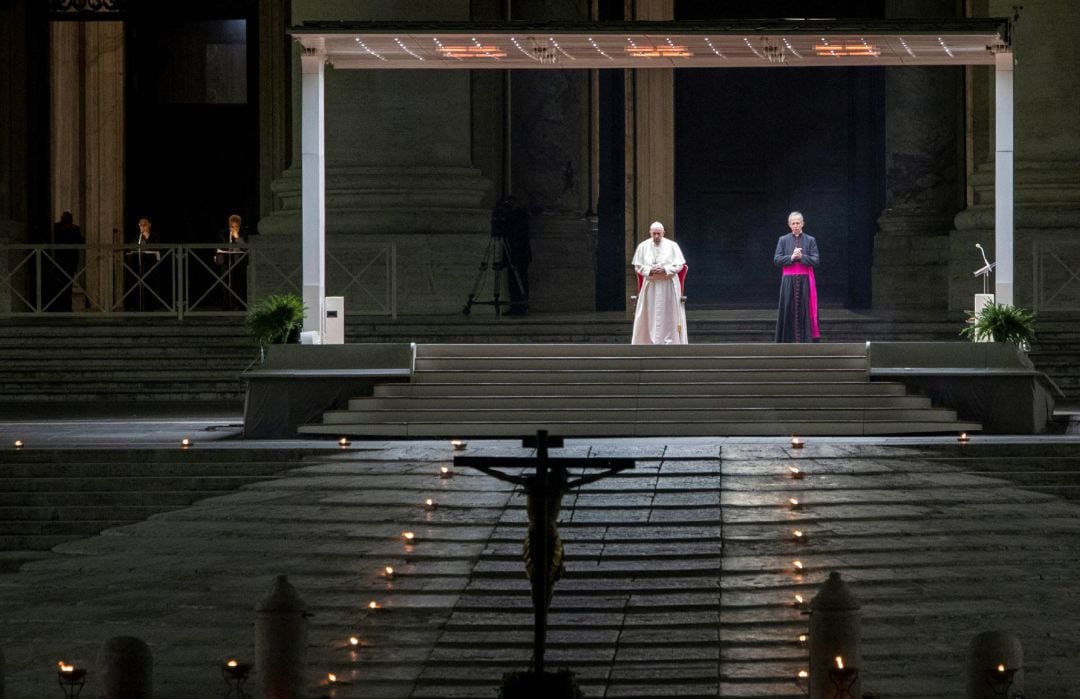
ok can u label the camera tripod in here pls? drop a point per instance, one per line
(497, 261)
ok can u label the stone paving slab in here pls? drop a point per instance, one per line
(695, 598)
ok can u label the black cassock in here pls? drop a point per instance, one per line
(796, 315)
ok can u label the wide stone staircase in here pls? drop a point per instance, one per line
(622, 390)
(53, 359)
(51, 496)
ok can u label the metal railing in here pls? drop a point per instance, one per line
(184, 279)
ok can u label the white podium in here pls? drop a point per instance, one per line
(335, 321)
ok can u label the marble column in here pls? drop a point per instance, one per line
(924, 190)
(650, 144)
(1047, 166)
(87, 144)
(399, 172)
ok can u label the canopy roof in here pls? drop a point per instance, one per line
(731, 44)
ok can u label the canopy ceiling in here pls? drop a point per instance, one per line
(739, 44)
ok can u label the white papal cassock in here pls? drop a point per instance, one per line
(660, 318)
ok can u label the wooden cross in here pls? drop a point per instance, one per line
(544, 489)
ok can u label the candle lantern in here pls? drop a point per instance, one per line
(344, 442)
(446, 472)
(963, 438)
(835, 634)
(235, 674)
(458, 444)
(796, 443)
(18, 444)
(995, 666)
(72, 679)
(430, 505)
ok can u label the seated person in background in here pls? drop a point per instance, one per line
(144, 271)
(231, 259)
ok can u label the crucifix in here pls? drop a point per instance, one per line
(544, 490)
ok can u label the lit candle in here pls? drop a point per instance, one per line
(796, 443)
(331, 677)
(458, 444)
(797, 565)
(798, 600)
(793, 503)
(231, 663)
(1000, 668)
(373, 604)
(389, 570)
(344, 442)
(803, 674)
(799, 535)
(409, 537)
(354, 641)
(839, 662)
(18, 444)
(795, 472)
(445, 472)
(430, 505)
(65, 668)
(185, 443)
(963, 438)
(802, 638)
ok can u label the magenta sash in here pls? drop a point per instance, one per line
(801, 268)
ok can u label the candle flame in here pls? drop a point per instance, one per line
(797, 565)
(344, 441)
(408, 536)
(331, 677)
(18, 444)
(798, 599)
(797, 534)
(1000, 668)
(354, 641)
(803, 674)
(802, 638)
(232, 662)
(185, 442)
(794, 502)
(64, 667)
(839, 662)
(373, 604)
(389, 570)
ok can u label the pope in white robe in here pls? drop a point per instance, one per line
(660, 318)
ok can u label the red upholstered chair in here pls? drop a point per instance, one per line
(682, 285)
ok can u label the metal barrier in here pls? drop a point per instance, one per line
(184, 279)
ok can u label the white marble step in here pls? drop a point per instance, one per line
(654, 428)
(698, 388)
(638, 399)
(605, 363)
(620, 376)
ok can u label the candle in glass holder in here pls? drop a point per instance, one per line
(963, 438)
(18, 444)
(458, 444)
(446, 472)
(344, 442)
(409, 537)
(430, 505)
(389, 571)
(185, 443)
(796, 443)
(796, 472)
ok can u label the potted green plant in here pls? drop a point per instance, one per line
(1001, 323)
(276, 319)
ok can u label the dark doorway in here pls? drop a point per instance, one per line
(192, 147)
(753, 145)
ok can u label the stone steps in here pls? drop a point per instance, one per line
(53, 496)
(600, 390)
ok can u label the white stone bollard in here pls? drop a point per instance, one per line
(280, 642)
(127, 669)
(995, 666)
(835, 633)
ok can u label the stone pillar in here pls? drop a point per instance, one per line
(87, 142)
(650, 144)
(550, 169)
(1047, 166)
(924, 188)
(399, 171)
